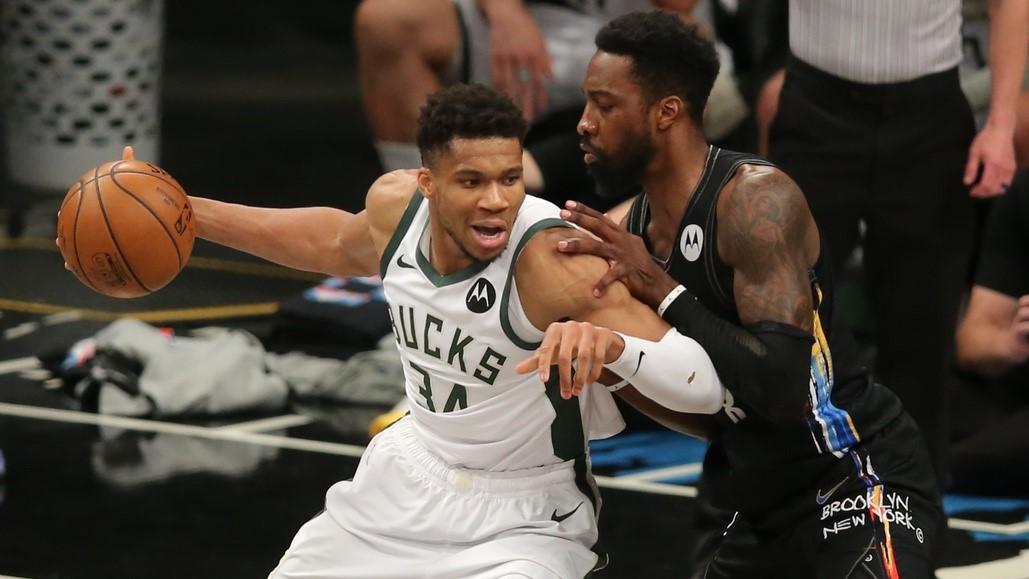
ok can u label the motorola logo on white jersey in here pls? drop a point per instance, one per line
(481, 296)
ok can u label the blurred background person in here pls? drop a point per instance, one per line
(534, 50)
(874, 127)
(991, 433)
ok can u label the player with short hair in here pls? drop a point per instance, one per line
(489, 474)
(828, 475)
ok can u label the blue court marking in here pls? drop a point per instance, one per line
(689, 479)
(954, 503)
(998, 538)
(644, 451)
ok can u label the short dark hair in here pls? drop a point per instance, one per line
(668, 56)
(466, 111)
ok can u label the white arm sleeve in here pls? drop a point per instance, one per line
(675, 372)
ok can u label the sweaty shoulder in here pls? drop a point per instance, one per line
(762, 208)
(387, 199)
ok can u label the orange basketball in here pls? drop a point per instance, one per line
(126, 228)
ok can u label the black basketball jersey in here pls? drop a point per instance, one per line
(769, 461)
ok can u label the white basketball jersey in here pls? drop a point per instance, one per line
(460, 337)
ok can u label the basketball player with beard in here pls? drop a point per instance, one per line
(488, 476)
(827, 474)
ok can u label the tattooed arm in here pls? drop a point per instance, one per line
(767, 235)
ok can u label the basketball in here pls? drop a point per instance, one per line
(126, 228)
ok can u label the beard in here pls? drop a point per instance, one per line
(619, 176)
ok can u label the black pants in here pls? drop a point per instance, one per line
(893, 156)
(874, 514)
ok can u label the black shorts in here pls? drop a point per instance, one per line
(875, 516)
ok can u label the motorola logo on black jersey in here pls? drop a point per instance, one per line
(481, 297)
(691, 242)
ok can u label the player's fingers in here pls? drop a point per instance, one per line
(127, 154)
(546, 350)
(583, 359)
(1023, 301)
(600, 346)
(588, 246)
(596, 222)
(565, 354)
(528, 365)
(615, 273)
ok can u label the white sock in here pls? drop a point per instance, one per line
(395, 155)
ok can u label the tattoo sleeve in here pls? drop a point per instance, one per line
(766, 360)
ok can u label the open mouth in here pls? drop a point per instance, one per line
(490, 236)
(588, 155)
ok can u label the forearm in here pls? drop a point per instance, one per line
(674, 372)
(982, 348)
(306, 238)
(1009, 39)
(767, 365)
(699, 425)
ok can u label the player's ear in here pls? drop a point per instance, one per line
(425, 183)
(669, 110)
(127, 154)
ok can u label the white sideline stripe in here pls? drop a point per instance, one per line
(1016, 567)
(666, 472)
(11, 577)
(77, 417)
(620, 483)
(74, 416)
(273, 423)
(986, 527)
(641, 486)
(19, 365)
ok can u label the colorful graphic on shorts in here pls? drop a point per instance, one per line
(832, 428)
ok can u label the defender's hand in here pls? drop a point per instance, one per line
(574, 345)
(626, 253)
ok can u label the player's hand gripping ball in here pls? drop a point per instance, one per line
(126, 228)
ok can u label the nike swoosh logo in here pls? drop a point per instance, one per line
(639, 363)
(821, 498)
(402, 263)
(558, 518)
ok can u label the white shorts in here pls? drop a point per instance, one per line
(406, 514)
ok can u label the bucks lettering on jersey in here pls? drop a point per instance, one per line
(460, 337)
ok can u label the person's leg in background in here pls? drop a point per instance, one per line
(917, 252)
(404, 48)
(824, 147)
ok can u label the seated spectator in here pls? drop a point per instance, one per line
(534, 50)
(992, 426)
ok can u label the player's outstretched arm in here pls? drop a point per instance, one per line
(319, 239)
(615, 331)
